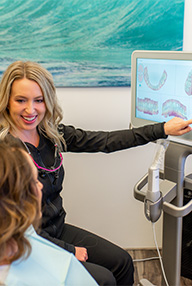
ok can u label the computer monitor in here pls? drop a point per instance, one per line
(161, 88)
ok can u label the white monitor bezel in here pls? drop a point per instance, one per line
(147, 54)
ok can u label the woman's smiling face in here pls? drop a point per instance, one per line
(26, 104)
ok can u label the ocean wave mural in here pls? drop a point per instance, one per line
(87, 42)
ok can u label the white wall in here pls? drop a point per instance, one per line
(187, 45)
(98, 188)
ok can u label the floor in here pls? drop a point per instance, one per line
(150, 269)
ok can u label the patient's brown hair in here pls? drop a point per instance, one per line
(18, 203)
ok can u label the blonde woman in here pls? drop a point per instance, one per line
(29, 110)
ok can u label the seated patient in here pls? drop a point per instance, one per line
(26, 258)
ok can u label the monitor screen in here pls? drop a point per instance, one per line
(161, 88)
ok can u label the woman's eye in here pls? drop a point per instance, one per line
(20, 100)
(39, 100)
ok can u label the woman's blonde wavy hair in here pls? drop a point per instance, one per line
(19, 207)
(53, 115)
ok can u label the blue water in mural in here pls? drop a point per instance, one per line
(87, 42)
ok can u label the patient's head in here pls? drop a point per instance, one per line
(20, 201)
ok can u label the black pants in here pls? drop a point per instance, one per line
(107, 263)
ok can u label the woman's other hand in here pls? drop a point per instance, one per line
(81, 253)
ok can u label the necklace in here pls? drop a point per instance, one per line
(52, 169)
(43, 170)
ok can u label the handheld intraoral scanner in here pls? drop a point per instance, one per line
(153, 193)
